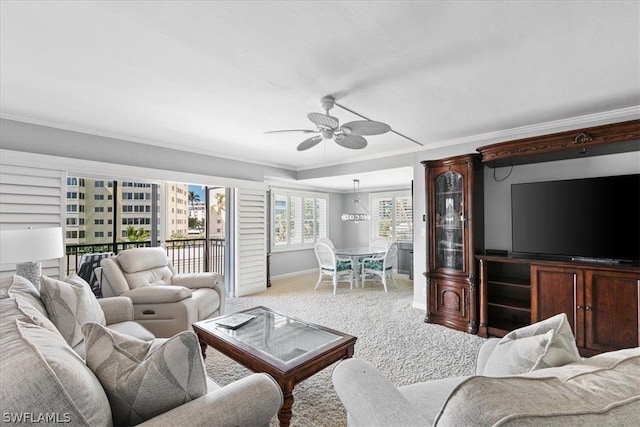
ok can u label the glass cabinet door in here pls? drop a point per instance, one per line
(449, 221)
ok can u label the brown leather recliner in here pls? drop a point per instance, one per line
(164, 302)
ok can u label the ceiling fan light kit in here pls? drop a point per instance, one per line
(349, 135)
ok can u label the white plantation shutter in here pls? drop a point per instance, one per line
(392, 216)
(280, 220)
(251, 241)
(403, 219)
(309, 216)
(321, 218)
(382, 216)
(32, 197)
(298, 218)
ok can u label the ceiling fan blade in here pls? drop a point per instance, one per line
(365, 127)
(354, 142)
(324, 121)
(308, 143)
(291, 130)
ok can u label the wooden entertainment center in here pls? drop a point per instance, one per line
(600, 299)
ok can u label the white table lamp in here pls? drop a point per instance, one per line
(27, 247)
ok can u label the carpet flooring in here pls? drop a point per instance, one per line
(391, 335)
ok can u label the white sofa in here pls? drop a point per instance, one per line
(164, 302)
(601, 390)
(44, 381)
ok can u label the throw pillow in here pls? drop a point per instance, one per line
(542, 345)
(23, 288)
(5, 283)
(143, 379)
(44, 380)
(70, 304)
(19, 308)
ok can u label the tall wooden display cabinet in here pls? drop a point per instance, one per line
(455, 235)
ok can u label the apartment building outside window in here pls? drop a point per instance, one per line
(91, 213)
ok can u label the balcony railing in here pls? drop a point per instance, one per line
(186, 255)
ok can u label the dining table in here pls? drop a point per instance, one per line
(356, 255)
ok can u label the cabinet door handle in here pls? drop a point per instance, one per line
(579, 307)
(588, 308)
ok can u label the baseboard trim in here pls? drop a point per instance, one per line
(295, 273)
(420, 305)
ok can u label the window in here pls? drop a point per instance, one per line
(298, 218)
(392, 216)
(106, 207)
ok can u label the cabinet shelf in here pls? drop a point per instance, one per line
(448, 193)
(510, 281)
(505, 295)
(501, 327)
(511, 303)
(448, 227)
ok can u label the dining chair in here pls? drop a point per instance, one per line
(326, 241)
(379, 244)
(381, 265)
(329, 242)
(330, 265)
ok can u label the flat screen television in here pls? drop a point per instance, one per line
(590, 219)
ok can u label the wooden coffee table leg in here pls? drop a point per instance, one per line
(203, 348)
(286, 411)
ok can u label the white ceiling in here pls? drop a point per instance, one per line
(212, 77)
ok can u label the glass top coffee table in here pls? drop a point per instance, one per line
(288, 349)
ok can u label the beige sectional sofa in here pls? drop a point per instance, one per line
(44, 380)
(514, 385)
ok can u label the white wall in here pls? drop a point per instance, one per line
(497, 194)
(90, 151)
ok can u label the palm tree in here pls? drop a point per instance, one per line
(137, 234)
(220, 202)
(193, 199)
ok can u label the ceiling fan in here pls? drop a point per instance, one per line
(349, 135)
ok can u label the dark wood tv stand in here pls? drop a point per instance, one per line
(600, 300)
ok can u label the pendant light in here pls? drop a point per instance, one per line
(359, 213)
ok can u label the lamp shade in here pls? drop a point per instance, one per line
(33, 244)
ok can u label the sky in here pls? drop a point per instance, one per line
(198, 190)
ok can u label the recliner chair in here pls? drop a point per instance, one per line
(164, 302)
